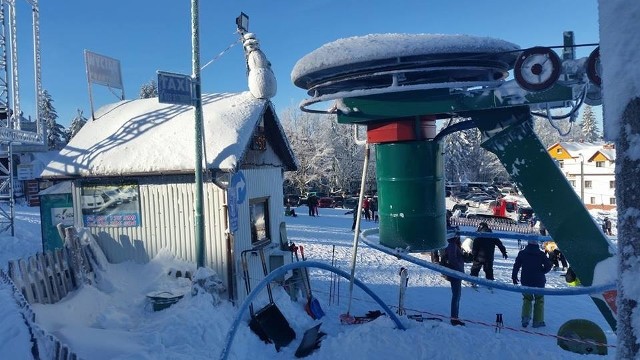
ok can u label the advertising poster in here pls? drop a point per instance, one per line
(110, 205)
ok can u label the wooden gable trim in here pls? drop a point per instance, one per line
(558, 152)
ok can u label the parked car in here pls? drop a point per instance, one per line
(132, 193)
(525, 214)
(124, 195)
(91, 203)
(326, 202)
(338, 201)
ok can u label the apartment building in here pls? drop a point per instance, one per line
(590, 169)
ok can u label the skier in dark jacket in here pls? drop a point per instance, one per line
(455, 261)
(534, 265)
(483, 252)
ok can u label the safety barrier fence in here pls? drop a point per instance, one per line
(46, 278)
(43, 344)
(494, 224)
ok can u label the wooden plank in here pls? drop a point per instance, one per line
(49, 277)
(65, 285)
(41, 283)
(29, 287)
(62, 259)
(74, 256)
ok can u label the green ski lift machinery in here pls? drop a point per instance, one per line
(400, 85)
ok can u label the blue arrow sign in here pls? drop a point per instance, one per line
(174, 88)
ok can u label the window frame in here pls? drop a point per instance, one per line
(264, 226)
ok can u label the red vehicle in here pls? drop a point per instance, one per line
(326, 202)
(503, 206)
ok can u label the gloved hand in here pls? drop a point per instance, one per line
(505, 256)
(515, 281)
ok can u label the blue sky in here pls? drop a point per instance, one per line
(151, 35)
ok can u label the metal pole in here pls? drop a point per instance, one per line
(93, 116)
(37, 68)
(195, 45)
(582, 178)
(356, 235)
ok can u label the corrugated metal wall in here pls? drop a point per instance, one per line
(167, 212)
(166, 207)
(261, 183)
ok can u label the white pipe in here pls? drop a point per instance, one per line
(356, 234)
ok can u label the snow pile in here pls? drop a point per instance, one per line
(115, 321)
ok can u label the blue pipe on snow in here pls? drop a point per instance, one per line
(280, 271)
(476, 280)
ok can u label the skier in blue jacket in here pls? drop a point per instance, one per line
(534, 266)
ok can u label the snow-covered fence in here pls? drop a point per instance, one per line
(44, 345)
(45, 277)
(48, 277)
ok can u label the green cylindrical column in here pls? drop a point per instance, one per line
(411, 197)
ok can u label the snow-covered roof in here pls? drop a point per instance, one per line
(572, 146)
(143, 136)
(587, 149)
(59, 188)
(608, 153)
(384, 46)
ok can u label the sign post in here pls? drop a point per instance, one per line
(195, 62)
(175, 88)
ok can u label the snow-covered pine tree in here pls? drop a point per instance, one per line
(76, 124)
(55, 132)
(549, 135)
(149, 90)
(588, 126)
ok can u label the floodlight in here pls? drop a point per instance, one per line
(242, 22)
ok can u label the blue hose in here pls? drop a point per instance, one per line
(476, 280)
(279, 272)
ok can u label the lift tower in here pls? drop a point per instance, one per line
(10, 113)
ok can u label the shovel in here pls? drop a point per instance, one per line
(268, 323)
(313, 305)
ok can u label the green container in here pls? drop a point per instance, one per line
(411, 195)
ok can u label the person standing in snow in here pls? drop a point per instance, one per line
(606, 226)
(453, 258)
(373, 206)
(483, 252)
(365, 205)
(535, 265)
(355, 218)
(311, 200)
(555, 255)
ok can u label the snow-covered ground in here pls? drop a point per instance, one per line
(113, 319)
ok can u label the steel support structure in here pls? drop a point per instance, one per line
(10, 132)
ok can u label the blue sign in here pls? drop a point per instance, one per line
(236, 195)
(174, 88)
